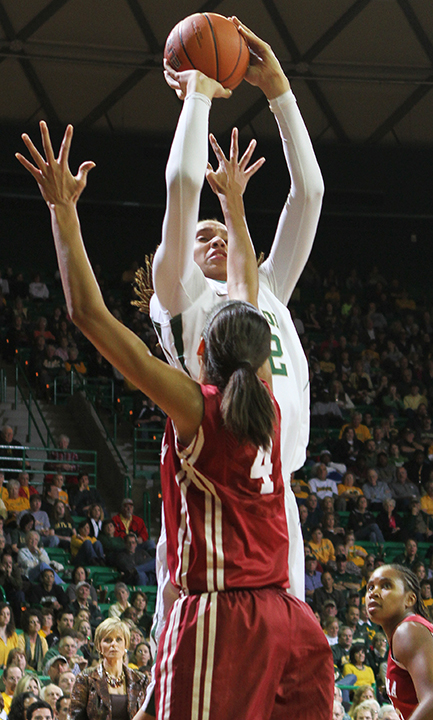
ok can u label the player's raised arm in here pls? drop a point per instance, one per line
(298, 221)
(228, 182)
(174, 260)
(171, 389)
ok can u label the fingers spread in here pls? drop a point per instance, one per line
(37, 157)
(46, 142)
(65, 146)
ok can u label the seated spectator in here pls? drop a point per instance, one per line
(37, 289)
(46, 630)
(361, 693)
(418, 523)
(3, 490)
(50, 694)
(320, 484)
(418, 468)
(46, 592)
(338, 711)
(121, 593)
(390, 522)
(67, 680)
(32, 559)
(314, 510)
(412, 400)
(84, 632)
(31, 643)
(126, 522)
(86, 550)
(363, 523)
(403, 490)
(395, 457)
(80, 574)
(426, 593)
(375, 491)
(364, 711)
(135, 564)
(347, 447)
(85, 496)
(304, 522)
(11, 676)
(378, 653)
(341, 650)
(110, 542)
(95, 515)
(141, 658)
(138, 601)
(351, 615)
(323, 550)
(331, 628)
(14, 450)
(42, 522)
(15, 504)
(327, 592)
(330, 528)
(385, 470)
(25, 489)
(407, 444)
(325, 411)
(388, 712)
(410, 556)
(20, 702)
(345, 581)
(18, 535)
(348, 492)
(12, 583)
(356, 666)
(63, 707)
(67, 647)
(8, 635)
(73, 362)
(427, 499)
(82, 592)
(354, 553)
(62, 524)
(64, 623)
(361, 431)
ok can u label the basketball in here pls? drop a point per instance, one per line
(210, 43)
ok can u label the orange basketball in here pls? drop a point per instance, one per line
(210, 43)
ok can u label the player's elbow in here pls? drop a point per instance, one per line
(183, 182)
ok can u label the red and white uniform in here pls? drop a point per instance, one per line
(224, 509)
(399, 686)
(227, 544)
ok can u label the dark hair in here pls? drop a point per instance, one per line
(237, 342)
(411, 584)
(137, 594)
(83, 523)
(77, 567)
(16, 711)
(26, 519)
(13, 654)
(65, 696)
(25, 619)
(38, 705)
(354, 649)
(10, 627)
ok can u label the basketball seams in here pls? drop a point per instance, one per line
(217, 73)
(241, 41)
(184, 47)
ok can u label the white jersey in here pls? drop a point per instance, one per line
(183, 296)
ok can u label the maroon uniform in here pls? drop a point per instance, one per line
(399, 686)
(227, 548)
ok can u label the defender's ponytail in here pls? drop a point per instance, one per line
(237, 343)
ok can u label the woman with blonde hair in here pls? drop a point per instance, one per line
(28, 683)
(362, 692)
(111, 689)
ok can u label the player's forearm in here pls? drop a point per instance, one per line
(185, 174)
(298, 221)
(242, 275)
(82, 293)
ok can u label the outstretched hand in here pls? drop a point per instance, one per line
(189, 81)
(264, 69)
(57, 184)
(232, 175)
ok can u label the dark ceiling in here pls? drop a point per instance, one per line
(362, 70)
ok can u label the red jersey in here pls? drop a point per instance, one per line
(399, 686)
(224, 508)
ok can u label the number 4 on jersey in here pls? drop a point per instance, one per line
(262, 468)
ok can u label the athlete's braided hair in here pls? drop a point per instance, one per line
(237, 342)
(411, 584)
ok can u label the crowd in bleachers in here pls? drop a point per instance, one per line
(365, 493)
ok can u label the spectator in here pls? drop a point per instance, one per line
(31, 643)
(10, 678)
(135, 564)
(57, 665)
(50, 694)
(322, 549)
(66, 681)
(37, 289)
(13, 450)
(364, 674)
(410, 556)
(126, 522)
(427, 499)
(42, 523)
(63, 461)
(348, 492)
(62, 524)
(314, 510)
(25, 489)
(313, 578)
(121, 593)
(361, 431)
(341, 650)
(82, 592)
(85, 495)
(110, 542)
(20, 703)
(139, 603)
(63, 707)
(363, 523)
(354, 553)
(403, 490)
(390, 522)
(95, 515)
(15, 504)
(344, 581)
(33, 559)
(8, 635)
(12, 583)
(320, 484)
(418, 523)
(80, 574)
(47, 592)
(86, 550)
(327, 592)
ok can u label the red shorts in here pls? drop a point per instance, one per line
(243, 655)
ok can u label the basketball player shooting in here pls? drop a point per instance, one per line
(190, 265)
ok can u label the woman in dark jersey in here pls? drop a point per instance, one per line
(394, 601)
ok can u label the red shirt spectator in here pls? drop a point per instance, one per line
(126, 522)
